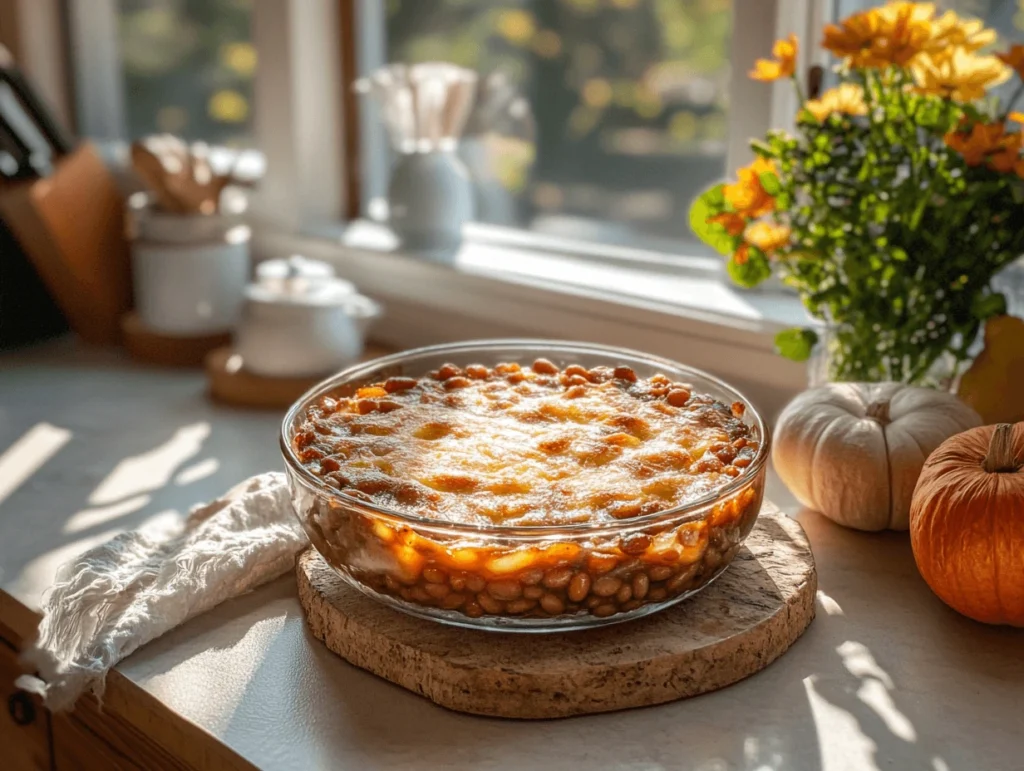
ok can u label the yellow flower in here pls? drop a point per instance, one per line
(783, 66)
(747, 195)
(878, 37)
(733, 223)
(1014, 58)
(905, 30)
(767, 236)
(988, 144)
(949, 30)
(846, 99)
(958, 74)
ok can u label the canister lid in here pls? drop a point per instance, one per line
(299, 281)
(295, 266)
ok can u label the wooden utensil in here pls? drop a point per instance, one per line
(180, 177)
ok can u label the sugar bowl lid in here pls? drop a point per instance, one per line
(297, 280)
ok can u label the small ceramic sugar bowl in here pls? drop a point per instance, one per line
(300, 320)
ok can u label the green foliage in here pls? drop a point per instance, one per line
(796, 344)
(752, 271)
(895, 240)
(708, 204)
(770, 183)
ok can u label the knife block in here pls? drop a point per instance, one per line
(71, 226)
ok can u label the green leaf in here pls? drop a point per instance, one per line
(708, 204)
(762, 149)
(715, 197)
(989, 305)
(770, 183)
(752, 272)
(796, 344)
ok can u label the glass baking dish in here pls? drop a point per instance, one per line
(525, 578)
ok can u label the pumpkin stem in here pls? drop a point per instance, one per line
(879, 411)
(1000, 457)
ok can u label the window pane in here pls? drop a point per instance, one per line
(188, 68)
(628, 101)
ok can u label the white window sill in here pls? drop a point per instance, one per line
(497, 286)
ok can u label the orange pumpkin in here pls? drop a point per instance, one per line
(967, 523)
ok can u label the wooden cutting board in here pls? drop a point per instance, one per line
(71, 227)
(737, 626)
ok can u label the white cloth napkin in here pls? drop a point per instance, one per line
(134, 588)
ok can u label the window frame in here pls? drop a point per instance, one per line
(318, 172)
(304, 119)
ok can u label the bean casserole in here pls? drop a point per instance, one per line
(527, 446)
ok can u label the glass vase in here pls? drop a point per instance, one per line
(843, 354)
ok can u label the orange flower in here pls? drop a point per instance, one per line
(783, 66)
(1014, 58)
(733, 223)
(1006, 159)
(878, 37)
(747, 195)
(988, 144)
(906, 30)
(742, 256)
(767, 236)
(976, 143)
(852, 38)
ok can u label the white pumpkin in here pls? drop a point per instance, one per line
(853, 451)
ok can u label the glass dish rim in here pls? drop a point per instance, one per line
(728, 490)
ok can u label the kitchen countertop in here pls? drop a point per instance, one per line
(90, 444)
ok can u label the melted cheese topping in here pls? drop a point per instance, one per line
(519, 447)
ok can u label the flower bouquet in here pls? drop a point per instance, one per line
(897, 201)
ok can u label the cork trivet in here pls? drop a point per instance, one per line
(737, 626)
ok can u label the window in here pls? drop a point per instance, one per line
(633, 107)
(622, 111)
(187, 68)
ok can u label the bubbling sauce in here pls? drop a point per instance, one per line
(536, 445)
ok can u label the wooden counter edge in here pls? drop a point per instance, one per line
(130, 716)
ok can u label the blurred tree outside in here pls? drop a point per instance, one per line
(188, 68)
(629, 99)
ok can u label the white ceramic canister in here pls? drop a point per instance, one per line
(301, 321)
(430, 198)
(189, 271)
